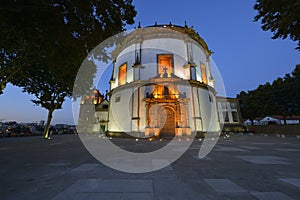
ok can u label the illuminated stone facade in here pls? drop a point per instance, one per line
(161, 84)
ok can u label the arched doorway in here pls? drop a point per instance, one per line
(167, 122)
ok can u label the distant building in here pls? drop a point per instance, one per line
(41, 123)
(248, 122)
(276, 119)
(229, 113)
(102, 116)
(88, 119)
(279, 120)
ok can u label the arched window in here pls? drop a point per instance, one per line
(203, 73)
(165, 65)
(122, 74)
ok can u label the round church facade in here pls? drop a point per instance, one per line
(161, 84)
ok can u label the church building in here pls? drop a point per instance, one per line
(161, 85)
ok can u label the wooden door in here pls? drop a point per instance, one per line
(167, 122)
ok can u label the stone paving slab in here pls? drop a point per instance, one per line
(56, 143)
(263, 143)
(60, 163)
(4, 148)
(172, 188)
(195, 147)
(270, 160)
(106, 196)
(205, 158)
(271, 196)
(292, 181)
(85, 167)
(160, 162)
(130, 189)
(224, 185)
(250, 148)
(230, 149)
(287, 150)
(179, 149)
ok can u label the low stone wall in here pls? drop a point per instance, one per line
(288, 129)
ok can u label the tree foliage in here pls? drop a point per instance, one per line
(282, 17)
(279, 98)
(44, 42)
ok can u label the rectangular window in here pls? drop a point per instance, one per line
(149, 91)
(165, 65)
(224, 106)
(235, 117)
(203, 73)
(210, 98)
(225, 116)
(102, 128)
(122, 74)
(233, 105)
(118, 99)
(193, 73)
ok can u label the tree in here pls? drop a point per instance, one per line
(279, 98)
(44, 42)
(9, 55)
(257, 102)
(247, 103)
(282, 17)
(293, 86)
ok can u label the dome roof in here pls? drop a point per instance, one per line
(188, 31)
(165, 30)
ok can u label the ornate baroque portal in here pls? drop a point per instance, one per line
(166, 108)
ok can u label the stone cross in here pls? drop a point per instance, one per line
(165, 74)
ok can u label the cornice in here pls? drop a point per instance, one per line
(161, 31)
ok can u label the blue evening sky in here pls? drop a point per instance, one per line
(245, 55)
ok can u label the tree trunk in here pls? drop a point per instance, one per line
(47, 126)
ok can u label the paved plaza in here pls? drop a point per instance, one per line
(244, 167)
